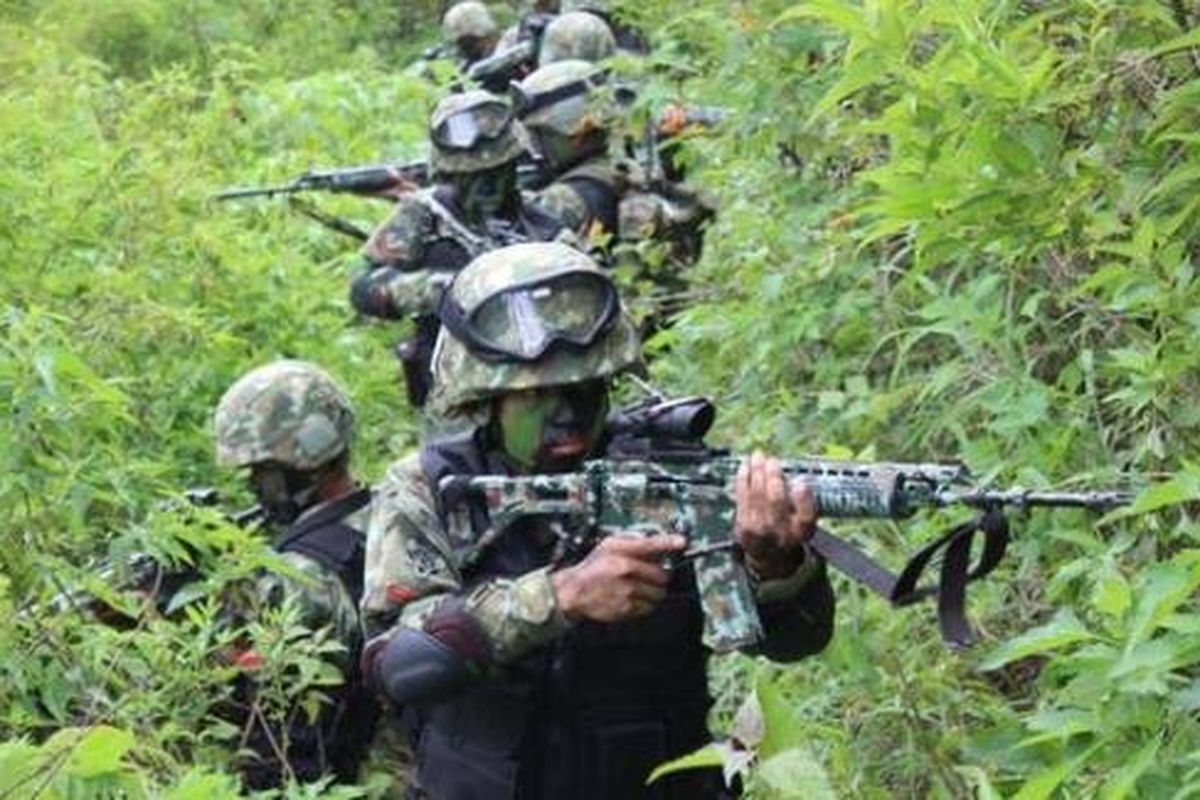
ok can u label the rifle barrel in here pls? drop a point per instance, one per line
(1024, 498)
(256, 191)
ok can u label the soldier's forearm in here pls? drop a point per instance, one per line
(517, 615)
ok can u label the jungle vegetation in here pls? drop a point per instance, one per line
(948, 229)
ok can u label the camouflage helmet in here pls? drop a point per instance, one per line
(491, 116)
(593, 6)
(289, 412)
(470, 19)
(462, 377)
(576, 35)
(576, 110)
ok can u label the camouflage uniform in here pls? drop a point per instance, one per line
(578, 710)
(595, 194)
(293, 416)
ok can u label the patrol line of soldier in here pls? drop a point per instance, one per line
(500, 657)
(565, 113)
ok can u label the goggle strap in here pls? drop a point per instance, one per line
(526, 104)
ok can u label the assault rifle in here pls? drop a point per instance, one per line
(369, 180)
(660, 477)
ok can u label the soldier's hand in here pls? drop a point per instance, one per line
(621, 579)
(772, 523)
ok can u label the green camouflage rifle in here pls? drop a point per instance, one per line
(660, 478)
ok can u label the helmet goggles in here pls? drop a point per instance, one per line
(467, 128)
(524, 322)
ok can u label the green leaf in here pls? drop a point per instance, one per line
(1042, 785)
(1163, 588)
(1189, 39)
(1064, 629)
(704, 758)
(99, 752)
(783, 728)
(1124, 780)
(795, 774)
(1111, 594)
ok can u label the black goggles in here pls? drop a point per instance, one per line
(525, 104)
(525, 322)
(467, 128)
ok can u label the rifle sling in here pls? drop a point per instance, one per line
(343, 226)
(955, 572)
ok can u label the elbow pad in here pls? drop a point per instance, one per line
(369, 294)
(414, 667)
(427, 666)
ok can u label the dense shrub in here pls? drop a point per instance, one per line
(967, 230)
(948, 229)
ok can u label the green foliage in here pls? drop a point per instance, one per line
(951, 228)
(966, 230)
(129, 304)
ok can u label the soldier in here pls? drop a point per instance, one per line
(531, 678)
(567, 114)
(578, 35)
(569, 110)
(628, 38)
(290, 426)
(470, 28)
(432, 233)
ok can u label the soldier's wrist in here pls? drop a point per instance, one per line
(566, 593)
(777, 565)
(785, 587)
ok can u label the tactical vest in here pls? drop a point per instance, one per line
(337, 742)
(587, 717)
(600, 183)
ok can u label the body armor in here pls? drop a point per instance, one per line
(587, 717)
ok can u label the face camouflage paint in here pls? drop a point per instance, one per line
(484, 194)
(552, 429)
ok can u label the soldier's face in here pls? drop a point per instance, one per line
(474, 48)
(554, 148)
(484, 194)
(282, 492)
(554, 429)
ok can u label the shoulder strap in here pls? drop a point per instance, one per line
(327, 539)
(472, 242)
